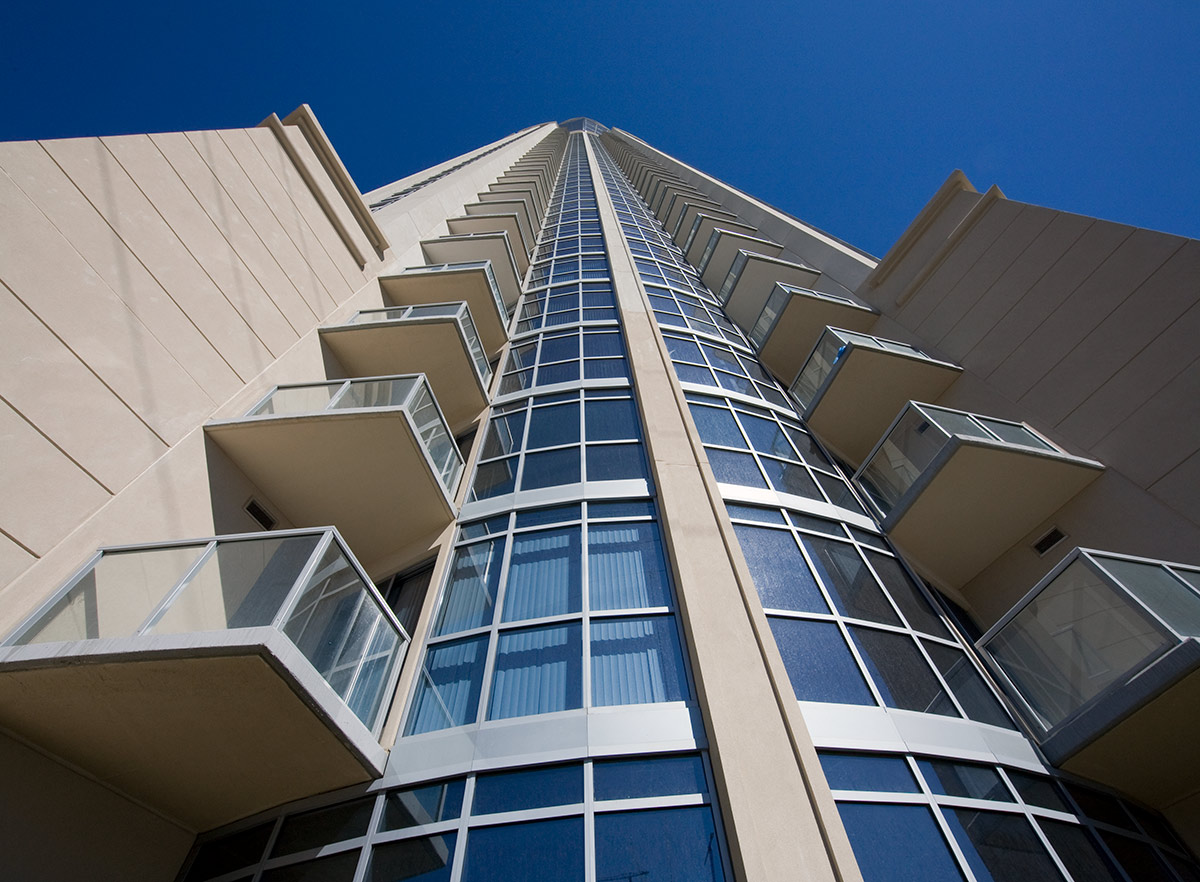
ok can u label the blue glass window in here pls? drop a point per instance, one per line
(666, 845)
(636, 661)
(544, 574)
(539, 851)
(780, 571)
(611, 419)
(862, 771)
(649, 776)
(554, 425)
(527, 788)
(449, 685)
(538, 671)
(717, 426)
(964, 779)
(898, 843)
(900, 672)
(818, 662)
(421, 859)
(626, 567)
(615, 462)
(854, 589)
(735, 468)
(416, 806)
(470, 596)
(551, 468)
(1001, 847)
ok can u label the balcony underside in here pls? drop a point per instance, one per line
(975, 500)
(726, 249)
(710, 223)
(755, 283)
(681, 226)
(452, 286)
(465, 249)
(490, 222)
(1140, 739)
(799, 326)
(361, 470)
(435, 348)
(864, 392)
(204, 728)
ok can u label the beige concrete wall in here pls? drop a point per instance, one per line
(99, 835)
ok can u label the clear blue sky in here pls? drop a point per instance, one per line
(848, 115)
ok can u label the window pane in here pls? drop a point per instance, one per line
(626, 567)
(470, 598)
(495, 478)
(551, 468)
(544, 574)
(860, 771)
(1001, 847)
(664, 845)
(898, 843)
(335, 868)
(552, 426)
(734, 468)
(415, 806)
(766, 436)
(224, 855)
(901, 673)
(854, 589)
(423, 859)
(818, 662)
(790, 477)
(538, 671)
(915, 607)
(527, 788)
(717, 426)
(611, 419)
(649, 776)
(503, 435)
(779, 570)
(636, 661)
(449, 685)
(1079, 852)
(964, 779)
(1138, 858)
(968, 685)
(615, 462)
(324, 826)
(542, 851)
(1038, 790)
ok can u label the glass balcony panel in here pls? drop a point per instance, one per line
(1075, 638)
(115, 596)
(447, 460)
(288, 400)
(906, 452)
(1156, 586)
(376, 393)
(817, 368)
(955, 422)
(240, 585)
(766, 320)
(1014, 433)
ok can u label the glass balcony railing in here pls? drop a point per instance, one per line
(916, 438)
(304, 583)
(410, 393)
(779, 298)
(485, 265)
(434, 312)
(830, 348)
(1089, 629)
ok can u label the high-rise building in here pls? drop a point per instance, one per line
(563, 513)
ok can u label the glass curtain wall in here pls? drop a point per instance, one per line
(855, 628)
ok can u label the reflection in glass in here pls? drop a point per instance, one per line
(664, 845)
(636, 661)
(415, 806)
(538, 671)
(422, 859)
(540, 851)
(527, 788)
(448, 685)
(649, 776)
(898, 843)
(818, 662)
(1001, 847)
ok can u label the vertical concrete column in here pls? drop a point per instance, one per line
(780, 824)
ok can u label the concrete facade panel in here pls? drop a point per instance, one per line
(14, 560)
(54, 282)
(43, 494)
(110, 257)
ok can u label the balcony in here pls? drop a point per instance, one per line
(793, 319)
(751, 280)
(703, 226)
(491, 221)
(373, 456)
(472, 283)
(956, 490)
(679, 205)
(438, 339)
(512, 200)
(474, 247)
(722, 249)
(210, 679)
(853, 384)
(1103, 661)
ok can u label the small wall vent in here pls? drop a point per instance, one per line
(1049, 540)
(260, 515)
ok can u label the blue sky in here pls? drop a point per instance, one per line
(848, 115)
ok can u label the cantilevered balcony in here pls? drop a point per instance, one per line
(955, 490)
(474, 247)
(751, 280)
(519, 236)
(853, 384)
(372, 456)
(1103, 660)
(438, 339)
(210, 679)
(703, 226)
(722, 249)
(473, 283)
(793, 319)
